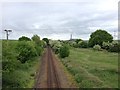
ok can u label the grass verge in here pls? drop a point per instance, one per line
(93, 69)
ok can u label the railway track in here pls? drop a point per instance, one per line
(52, 75)
(48, 76)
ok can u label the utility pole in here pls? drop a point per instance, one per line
(7, 32)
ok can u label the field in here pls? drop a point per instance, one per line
(93, 68)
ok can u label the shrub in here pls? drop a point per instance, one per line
(55, 46)
(39, 50)
(83, 44)
(114, 47)
(105, 45)
(25, 51)
(97, 47)
(64, 51)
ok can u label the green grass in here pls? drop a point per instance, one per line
(93, 68)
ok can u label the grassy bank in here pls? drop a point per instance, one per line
(93, 68)
(15, 73)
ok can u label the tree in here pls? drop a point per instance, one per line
(36, 39)
(38, 44)
(99, 36)
(23, 38)
(46, 40)
(26, 51)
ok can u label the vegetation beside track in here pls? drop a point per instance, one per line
(93, 68)
(15, 72)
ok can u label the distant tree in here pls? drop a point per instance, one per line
(46, 40)
(78, 40)
(99, 36)
(23, 38)
(36, 39)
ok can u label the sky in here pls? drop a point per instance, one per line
(58, 19)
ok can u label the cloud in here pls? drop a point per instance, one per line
(58, 19)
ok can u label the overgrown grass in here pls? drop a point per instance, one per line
(93, 68)
(16, 74)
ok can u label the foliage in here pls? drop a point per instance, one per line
(23, 38)
(36, 39)
(114, 47)
(55, 45)
(83, 44)
(9, 62)
(72, 43)
(64, 51)
(78, 40)
(97, 47)
(26, 51)
(111, 47)
(99, 36)
(14, 73)
(105, 45)
(39, 49)
(46, 40)
(39, 45)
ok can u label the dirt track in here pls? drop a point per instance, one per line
(51, 74)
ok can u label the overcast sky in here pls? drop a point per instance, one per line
(57, 19)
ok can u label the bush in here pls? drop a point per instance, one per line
(114, 47)
(83, 44)
(25, 51)
(105, 45)
(39, 50)
(55, 46)
(64, 51)
(97, 47)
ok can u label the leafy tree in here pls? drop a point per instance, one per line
(99, 36)
(25, 51)
(38, 44)
(36, 39)
(46, 40)
(23, 38)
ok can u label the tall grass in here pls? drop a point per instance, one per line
(93, 68)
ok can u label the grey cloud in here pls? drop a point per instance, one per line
(47, 19)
